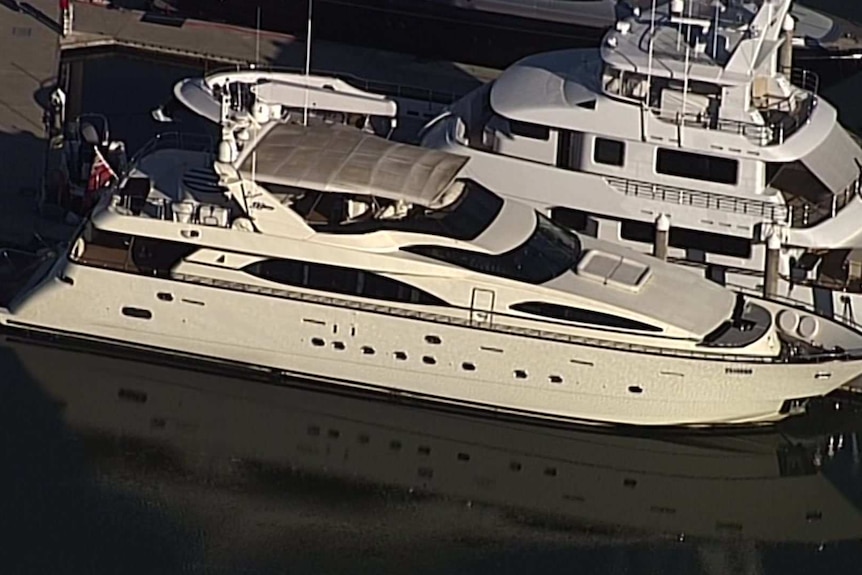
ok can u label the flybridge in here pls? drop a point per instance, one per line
(733, 37)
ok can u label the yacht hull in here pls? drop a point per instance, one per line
(435, 358)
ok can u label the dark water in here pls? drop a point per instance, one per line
(119, 466)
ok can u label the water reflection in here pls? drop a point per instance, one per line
(171, 468)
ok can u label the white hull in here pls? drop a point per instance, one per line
(367, 346)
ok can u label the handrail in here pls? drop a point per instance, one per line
(698, 199)
(812, 213)
(444, 97)
(807, 215)
(509, 329)
(771, 133)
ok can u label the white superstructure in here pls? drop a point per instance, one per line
(329, 253)
(690, 114)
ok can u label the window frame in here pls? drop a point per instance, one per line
(619, 159)
(687, 165)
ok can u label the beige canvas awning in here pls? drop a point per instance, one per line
(341, 159)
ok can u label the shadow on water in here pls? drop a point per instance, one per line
(229, 472)
(22, 156)
(56, 516)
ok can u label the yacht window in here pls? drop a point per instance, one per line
(569, 150)
(577, 220)
(578, 315)
(137, 254)
(548, 253)
(696, 166)
(609, 152)
(337, 279)
(526, 130)
(464, 220)
(688, 239)
(158, 257)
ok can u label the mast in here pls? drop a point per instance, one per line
(685, 74)
(307, 63)
(649, 58)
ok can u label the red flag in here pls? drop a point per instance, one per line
(101, 176)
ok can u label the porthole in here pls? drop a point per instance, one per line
(551, 471)
(515, 466)
(635, 389)
(316, 341)
(367, 350)
(428, 360)
(463, 456)
(467, 366)
(555, 379)
(520, 374)
(400, 355)
(339, 345)
(433, 339)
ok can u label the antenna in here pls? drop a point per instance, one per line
(257, 38)
(307, 63)
(718, 5)
(649, 59)
(685, 74)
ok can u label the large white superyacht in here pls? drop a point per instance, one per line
(688, 118)
(331, 254)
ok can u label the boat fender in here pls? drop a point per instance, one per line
(788, 321)
(808, 327)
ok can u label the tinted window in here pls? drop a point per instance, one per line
(336, 279)
(464, 220)
(578, 315)
(122, 252)
(526, 130)
(696, 166)
(609, 152)
(548, 253)
(688, 239)
(157, 257)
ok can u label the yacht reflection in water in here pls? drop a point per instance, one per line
(771, 485)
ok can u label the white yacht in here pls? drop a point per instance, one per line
(329, 253)
(254, 97)
(688, 117)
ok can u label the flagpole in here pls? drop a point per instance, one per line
(307, 63)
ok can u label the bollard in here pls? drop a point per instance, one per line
(662, 237)
(773, 253)
(785, 56)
